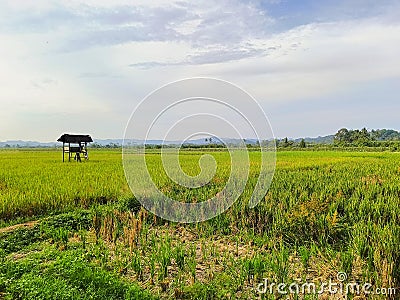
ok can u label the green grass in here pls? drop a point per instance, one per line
(65, 274)
(326, 211)
(38, 183)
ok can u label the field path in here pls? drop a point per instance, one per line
(16, 226)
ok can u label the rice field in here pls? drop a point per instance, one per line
(87, 237)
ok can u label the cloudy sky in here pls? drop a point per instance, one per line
(314, 66)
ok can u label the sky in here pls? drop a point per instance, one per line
(83, 66)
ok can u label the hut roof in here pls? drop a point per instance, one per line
(75, 138)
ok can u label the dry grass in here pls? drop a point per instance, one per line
(17, 226)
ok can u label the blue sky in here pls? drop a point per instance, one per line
(82, 66)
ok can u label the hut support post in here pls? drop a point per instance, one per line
(81, 140)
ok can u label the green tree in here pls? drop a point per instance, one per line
(342, 136)
(302, 143)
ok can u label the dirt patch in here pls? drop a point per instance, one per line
(29, 224)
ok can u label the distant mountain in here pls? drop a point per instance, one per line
(26, 144)
(118, 142)
(197, 142)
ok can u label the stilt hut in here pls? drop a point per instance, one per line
(79, 145)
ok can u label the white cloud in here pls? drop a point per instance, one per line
(326, 57)
(71, 60)
(82, 25)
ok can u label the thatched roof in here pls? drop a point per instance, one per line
(75, 138)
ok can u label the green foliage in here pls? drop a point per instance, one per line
(66, 275)
(137, 264)
(385, 135)
(74, 221)
(347, 259)
(20, 238)
(302, 143)
(305, 255)
(280, 264)
(201, 291)
(164, 257)
(255, 267)
(180, 256)
(363, 137)
(55, 227)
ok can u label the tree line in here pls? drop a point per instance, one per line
(364, 137)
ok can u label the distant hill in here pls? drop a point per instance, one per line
(379, 134)
(26, 144)
(118, 142)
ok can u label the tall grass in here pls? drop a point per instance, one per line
(339, 202)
